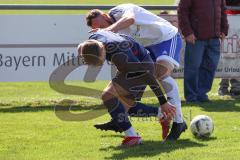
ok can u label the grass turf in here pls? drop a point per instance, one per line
(84, 2)
(111, 2)
(31, 130)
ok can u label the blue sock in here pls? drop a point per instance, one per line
(142, 110)
(118, 113)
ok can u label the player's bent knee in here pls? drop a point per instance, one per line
(163, 69)
(104, 96)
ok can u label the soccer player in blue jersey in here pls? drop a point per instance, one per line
(135, 68)
(162, 40)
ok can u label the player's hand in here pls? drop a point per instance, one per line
(191, 38)
(168, 110)
(93, 30)
(110, 28)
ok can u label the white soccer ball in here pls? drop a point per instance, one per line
(201, 126)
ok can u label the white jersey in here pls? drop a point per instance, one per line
(148, 28)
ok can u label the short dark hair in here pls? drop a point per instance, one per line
(90, 52)
(91, 15)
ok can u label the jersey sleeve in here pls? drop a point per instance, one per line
(141, 15)
(116, 13)
(129, 65)
(121, 59)
(98, 37)
(120, 11)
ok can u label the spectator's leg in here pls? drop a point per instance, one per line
(207, 69)
(223, 87)
(235, 87)
(192, 60)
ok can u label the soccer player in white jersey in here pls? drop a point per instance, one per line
(162, 40)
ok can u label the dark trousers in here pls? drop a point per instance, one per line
(234, 87)
(200, 63)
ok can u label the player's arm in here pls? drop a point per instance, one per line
(126, 62)
(125, 21)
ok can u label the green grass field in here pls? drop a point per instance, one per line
(84, 2)
(31, 130)
(101, 2)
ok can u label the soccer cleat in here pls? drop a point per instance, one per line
(165, 123)
(176, 130)
(131, 141)
(109, 126)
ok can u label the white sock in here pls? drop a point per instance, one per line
(131, 132)
(171, 89)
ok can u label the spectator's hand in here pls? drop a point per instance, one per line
(191, 38)
(168, 110)
(222, 36)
